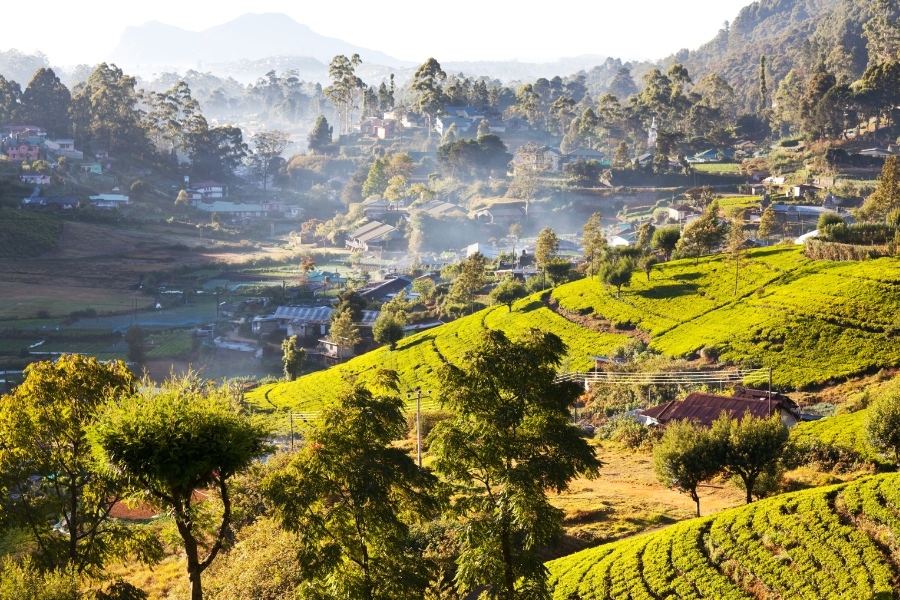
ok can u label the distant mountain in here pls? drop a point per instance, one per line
(248, 38)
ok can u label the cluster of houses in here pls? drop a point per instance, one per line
(466, 118)
(28, 143)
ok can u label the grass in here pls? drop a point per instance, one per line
(742, 201)
(24, 300)
(798, 545)
(418, 358)
(717, 168)
(24, 233)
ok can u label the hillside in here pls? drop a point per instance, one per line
(793, 34)
(811, 321)
(24, 234)
(822, 543)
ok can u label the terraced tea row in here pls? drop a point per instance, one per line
(811, 544)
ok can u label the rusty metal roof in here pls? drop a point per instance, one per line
(706, 408)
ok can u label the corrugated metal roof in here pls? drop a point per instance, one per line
(375, 233)
(706, 408)
(367, 227)
(304, 313)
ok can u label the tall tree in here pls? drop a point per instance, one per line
(105, 113)
(345, 85)
(882, 32)
(350, 495)
(471, 279)
(886, 196)
(430, 96)
(267, 149)
(344, 332)
(46, 469)
(546, 248)
(510, 441)
(292, 356)
(883, 424)
(173, 441)
(768, 222)
(320, 136)
(594, 240)
(763, 87)
(10, 100)
(46, 103)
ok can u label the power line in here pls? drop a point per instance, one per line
(669, 377)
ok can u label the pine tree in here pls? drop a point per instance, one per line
(321, 136)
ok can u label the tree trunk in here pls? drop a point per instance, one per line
(506, 549)
(748, 483)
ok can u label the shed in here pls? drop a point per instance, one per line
(706, 408)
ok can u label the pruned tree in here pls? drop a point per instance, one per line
(752, 446)
(507, 292)
(686, 456)
(292, 357)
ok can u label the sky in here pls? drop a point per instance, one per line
(75, 32)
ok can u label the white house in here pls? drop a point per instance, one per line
(109, 200)
(232, 209)
(206, 189)
(63, 147)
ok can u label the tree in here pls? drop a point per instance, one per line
(105, 115)
(509, 441)
(686, 456)
(45, 102)
(546, 248)
(753, 446)
(622, 86)
(737, 252)
(701, 235)
(665, 239)
(173, 441)
(471, 279)
(349, 495)
(515, 230)
(377, 180)
(484, 127)
(645, 235)
(646, 263)
(135, 338)
(768, 222)
(292, 357)
(217, 152)
(354, 302)
(430, 95)
(397, 189)
(594, 240)
(508, 291)
(344, 87)
(10, 100)
(320, 136)
(344, 332)
(886, 196)
(620, 158)
(182, 200)
(883, 424)
(267, 149)
(882, 32)
(47, 474)
(388, 329)
(451, 135)
(618, 274)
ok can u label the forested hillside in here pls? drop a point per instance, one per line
(833, 542)
(810, 321)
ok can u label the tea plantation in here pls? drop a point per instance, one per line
(820, 543)
(811, 321)
(24, 234)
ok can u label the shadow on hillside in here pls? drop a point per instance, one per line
(661, 292)
(688, 276)
(423, 339)
(533, 305)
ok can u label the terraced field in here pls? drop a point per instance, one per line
(811, 321)
(834, 542)
(418, 357)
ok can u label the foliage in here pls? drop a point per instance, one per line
(27, 582)
(665, 239)
(507, 292)
(346, 494)
(24, 234)
(783, 544)
(344, 332)
(45, 453)
(171, 442)
(292, 357)
(883, 423)
(686, 456)
(752, 447)
(510, 442)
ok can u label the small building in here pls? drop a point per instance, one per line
(442, 124)
(206, 189)
(793, 213)
(680, 212)
(91, 168)
(264, 325)
(109, 199)
(372, 235)
(380, 290)
(706, 408)
(798, 191)
(584, 154)
(232, 209)
(499, 215)
(64, 147)
(436, 208)
(489, 252)
(23, 152)
(304, 321)
(35, 179)
(876, 152)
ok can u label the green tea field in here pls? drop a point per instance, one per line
(833, 542)
(811, 321)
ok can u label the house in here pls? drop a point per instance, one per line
(109, 199)
(232, 209)
(798, 191)
(495, 125)
(712, 156)
(442, 124)
(584, 154)
(624, 239)
(264, 325)
(371, 236)
(376, 207)
(303, 321)
(680, 212)
(436, 208)
(380, 290)
(236, 349)
(773, 180)
(466, 112)
(515, 124)
(706, 408)
(15, 131)
(381, 128)
(499, 215)
(91, 168)
(644, 159)
(58, 202)
(206, 189)
(23, 152)
(876, 152)
(35, 179)
(64, 147)
(792, 213)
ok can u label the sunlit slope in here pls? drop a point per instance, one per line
(810, 321)
(821, 543)
(417, 359)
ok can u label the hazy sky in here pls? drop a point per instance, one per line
(77, 32)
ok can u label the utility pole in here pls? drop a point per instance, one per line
(419, 422)
(292, 431)
(770, 391)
